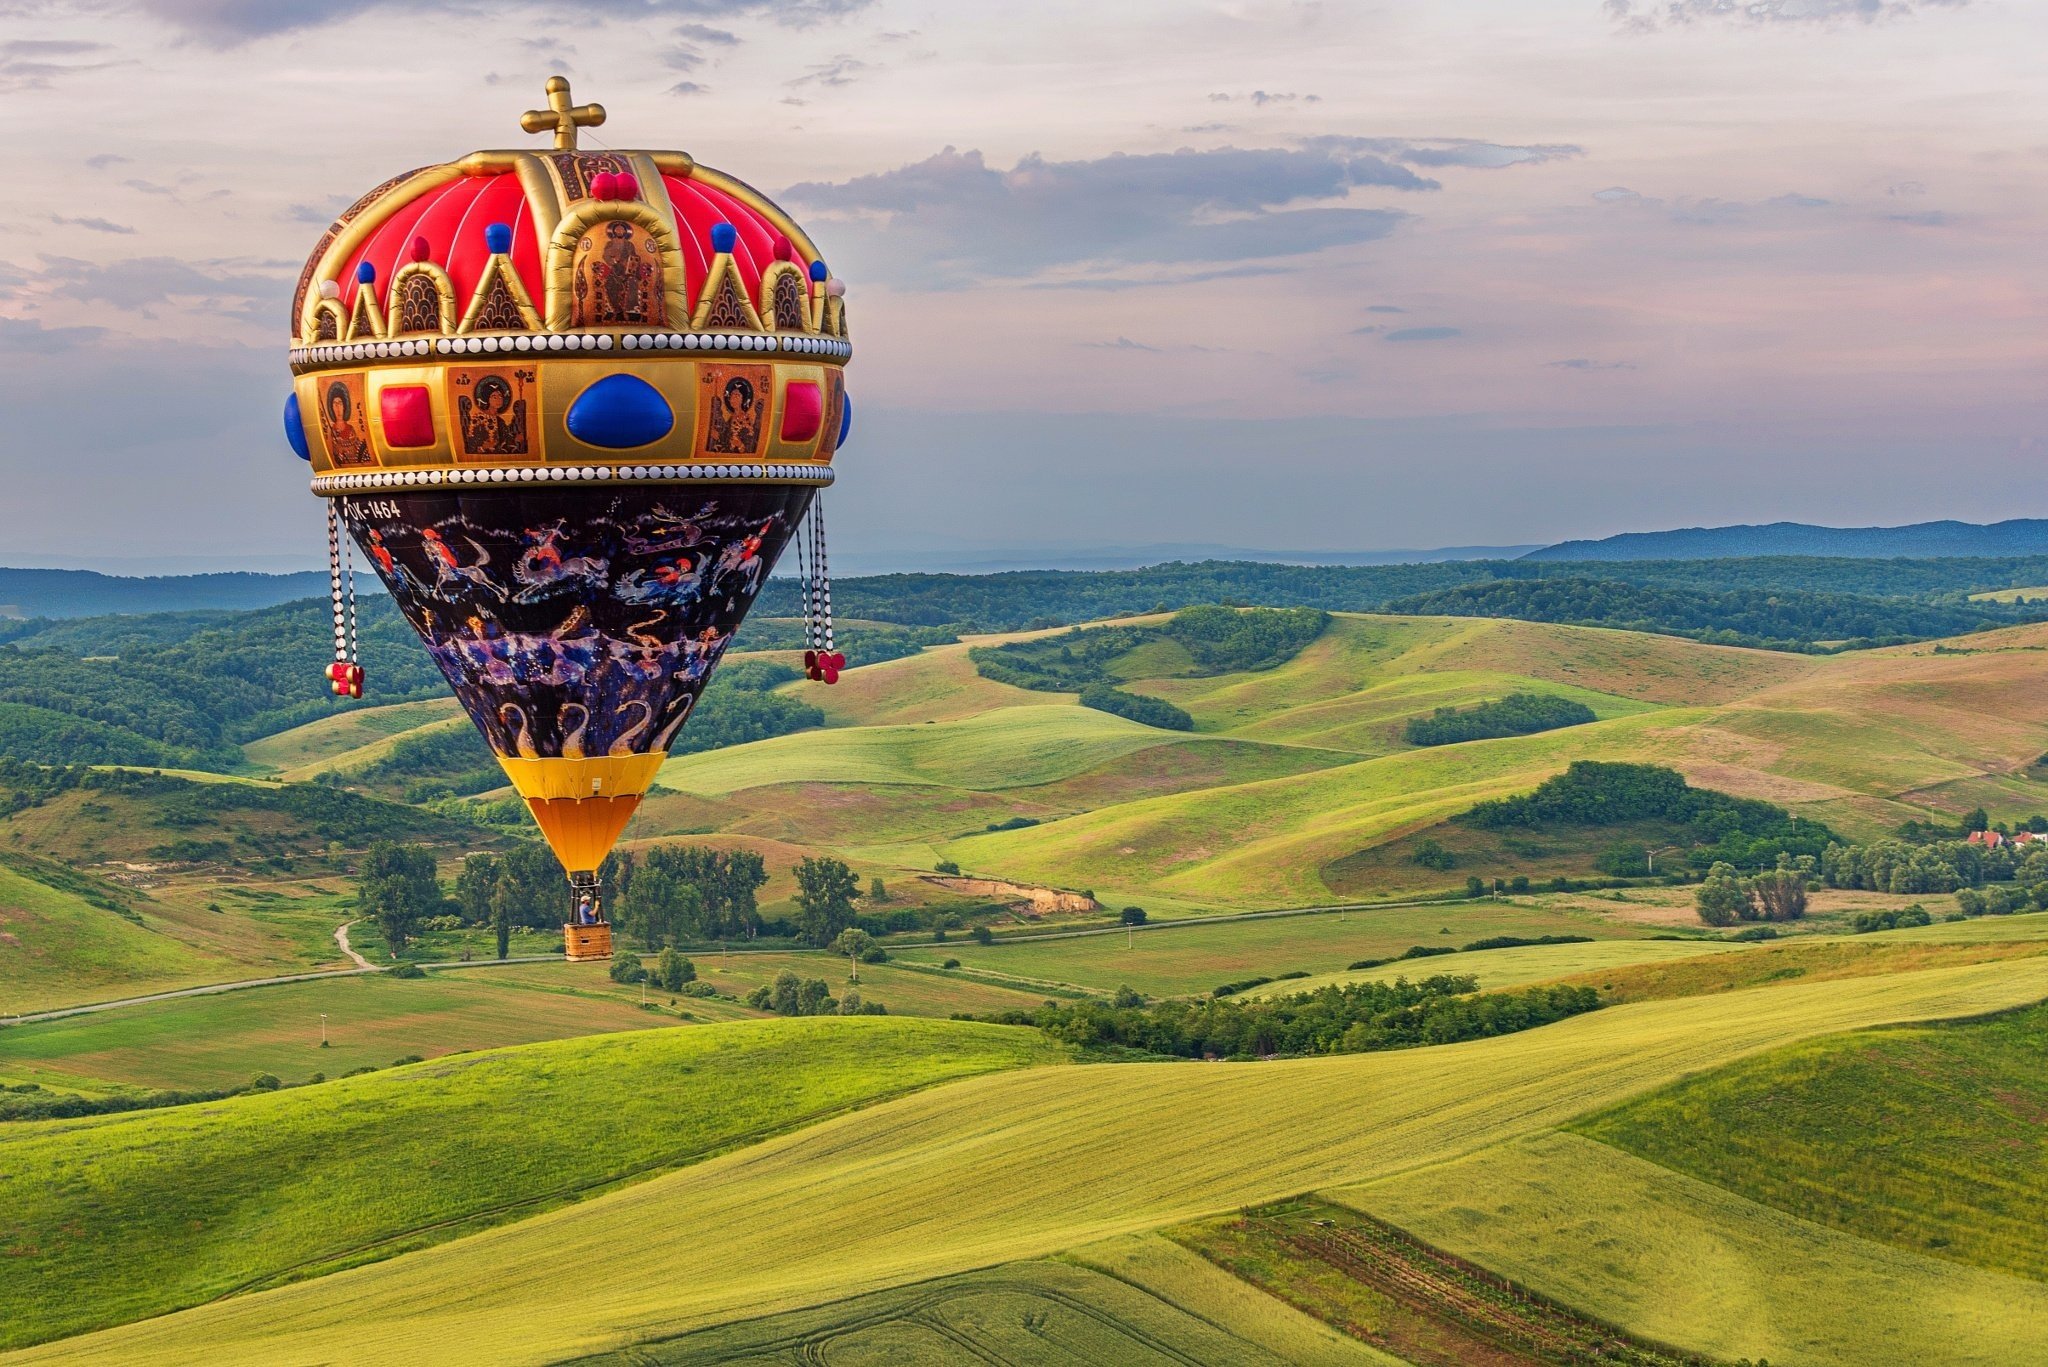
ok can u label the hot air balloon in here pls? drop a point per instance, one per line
(571, 406)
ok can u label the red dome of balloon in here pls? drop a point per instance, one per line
(489, 244)
(451, 218)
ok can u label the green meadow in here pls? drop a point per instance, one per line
(117, 1218)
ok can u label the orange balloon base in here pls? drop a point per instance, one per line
(582, 830)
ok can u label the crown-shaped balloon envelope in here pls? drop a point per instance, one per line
(570, 405)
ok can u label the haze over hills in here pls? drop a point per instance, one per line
(1919, 540)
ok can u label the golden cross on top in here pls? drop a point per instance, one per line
(561, 116)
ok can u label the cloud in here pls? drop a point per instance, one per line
(1471, 153)
(1582, 363)
(1797, 201)
(682, 58)
(97, 225)
(953, 216)
(1646, 15)
(1366, 331)
(320, 212)
(103, 160)
(1262, 98)
(26, 336)
(1384, 308)
(1422, 334)
(1171, 275)
(1933, 218)
(689, 88)
(230, 23)
(141, 284)
(1620, 194)
(33, 63)
(704, 33)
(841, 70)
(1124, 344)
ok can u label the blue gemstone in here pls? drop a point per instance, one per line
(818, 271)
(498, 238)
(723, 236)
(366, 273)
(845, 420)
(295, 428)
(620, 411)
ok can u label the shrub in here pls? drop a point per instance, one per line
(983, 935)
(947, 866)
(1431, 855)
(950, 963)
(1892, 918)
(406, 971)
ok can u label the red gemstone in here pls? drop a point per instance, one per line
(408, 415)
(803, 410)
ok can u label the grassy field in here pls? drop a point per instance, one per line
(349, 738)
(1170, 960)
(905, 991)
(984, 1171)
(1512, 967)
(1812, 960)
(1929, 1138)
(221, 1040)
(55, 947)
(1681, 1261)
(112, 1219)
(921, 755)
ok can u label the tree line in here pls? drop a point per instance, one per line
(1356, 1018)
(670, 895)
(1518, 714)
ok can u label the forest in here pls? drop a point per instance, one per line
(1744, 832)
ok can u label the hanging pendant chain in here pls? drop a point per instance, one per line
(334, 591)
(824, 573)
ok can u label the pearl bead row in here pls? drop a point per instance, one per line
(570, 474)
(792, 345)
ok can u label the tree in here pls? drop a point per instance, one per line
(850, 1003)
(473, 888)
(1723, 899)
(672, 970)
(1133, 916)
(397, 889)
(627, 968)
(1977, 820)
(1779, 894)
(853, 943)
(824, 898)
(877, 893)
(501, 918)
(1624, 859)
(983, 935)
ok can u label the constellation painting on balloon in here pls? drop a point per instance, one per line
(573, 407)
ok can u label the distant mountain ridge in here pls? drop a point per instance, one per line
(1916, 541)
(88, 593)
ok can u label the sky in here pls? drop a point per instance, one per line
(1285, 275)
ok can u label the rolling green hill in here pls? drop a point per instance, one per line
(982, 1172)
(111, 1219)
